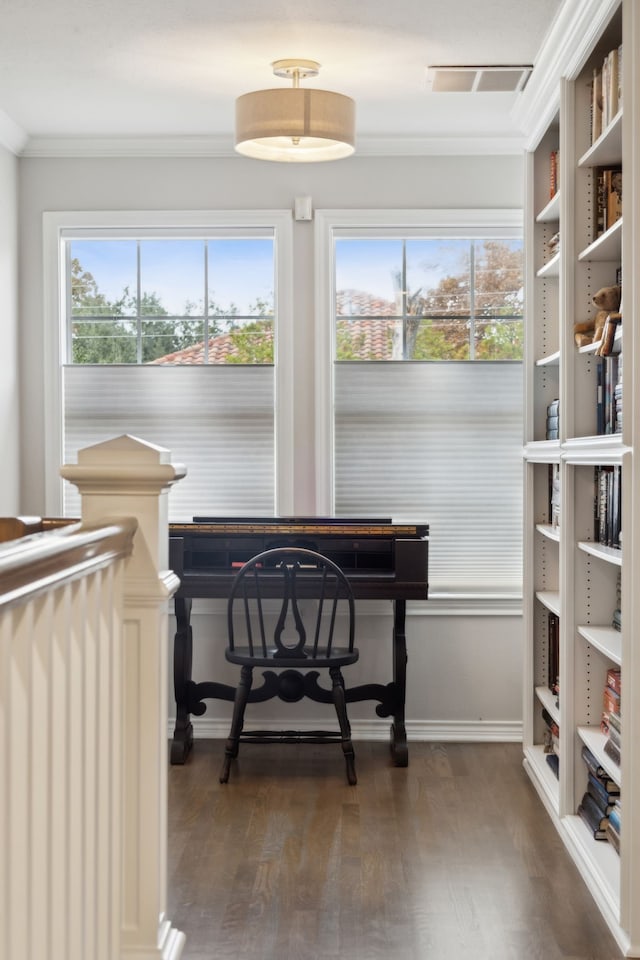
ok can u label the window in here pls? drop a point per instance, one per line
(171, 334)
(421, 337)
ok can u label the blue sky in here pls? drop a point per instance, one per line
(241, 270)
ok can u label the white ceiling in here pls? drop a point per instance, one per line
(170, 70)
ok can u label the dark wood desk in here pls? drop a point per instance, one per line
(382, 560)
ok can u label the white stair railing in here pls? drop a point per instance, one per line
(83, 749)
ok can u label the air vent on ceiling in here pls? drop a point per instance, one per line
(477, 79)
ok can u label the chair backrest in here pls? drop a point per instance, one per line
(291, 575)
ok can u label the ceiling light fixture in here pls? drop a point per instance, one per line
(294, 125)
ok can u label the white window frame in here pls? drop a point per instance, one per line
(150, 223)
(467, 223)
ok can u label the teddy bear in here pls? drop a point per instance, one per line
(607, 299)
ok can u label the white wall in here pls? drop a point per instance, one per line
(463, 674)
(9, 395)
(443, 650)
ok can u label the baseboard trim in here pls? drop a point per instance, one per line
(451, 731)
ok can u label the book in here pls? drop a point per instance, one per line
(613, 836)
(613, 188)
(602, 797)
(607, 505)
(609, 334)
(614, 722)
(615, 817)
(553, 633)
(596, 105)
(610, 87)
(554, 494)
(554, 762)
(599, 771)
(614, 679)
(591, 815)
(551, 737)
(610, 701)
(612, 751)
(614, 735)
(554, 173)
(608, 198)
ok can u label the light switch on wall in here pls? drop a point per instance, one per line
(302, 209)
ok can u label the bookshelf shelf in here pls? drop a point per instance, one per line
(605, 639)
(551, 268)
(573, 585)
(608, 246)
(595, 740)
(549, 599)
(597, 859)
(606, 448)
(552, 360)
(548, 701)
(607, 149)
(542, 451)
(542, 776)
(547, 530)
(593, 347)
(599, 550)
(551, 212)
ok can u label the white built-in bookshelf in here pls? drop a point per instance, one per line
(578, 571)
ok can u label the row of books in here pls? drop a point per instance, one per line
(608, 198)
(608, 505)
(616, 620)
(554, 173)
(606, 92)
(600, 800)
(554, 494)
(610, 722)
(551, 735)
(553, 243)
(609, 394)
(553, 657)
(611, 698)
(551, 742)
(553, 420)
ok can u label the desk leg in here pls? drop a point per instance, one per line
(399, 748)
(182, 658)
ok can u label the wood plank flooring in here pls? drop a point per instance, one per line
(452, 858)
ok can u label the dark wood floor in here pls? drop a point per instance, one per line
(453, 858)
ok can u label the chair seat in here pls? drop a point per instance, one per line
(339, 657)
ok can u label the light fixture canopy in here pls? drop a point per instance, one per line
(292, 124)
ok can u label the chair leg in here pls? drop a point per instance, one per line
(340, 704)
(237, 721)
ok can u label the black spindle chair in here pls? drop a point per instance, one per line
(312, 602)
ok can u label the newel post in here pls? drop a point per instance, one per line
(128, 477)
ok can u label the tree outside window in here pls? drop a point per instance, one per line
(429, 299)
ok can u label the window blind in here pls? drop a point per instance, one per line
(440, 443)
(217, 420)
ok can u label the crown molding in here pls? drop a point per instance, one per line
(106, 147)
(12, 136)
(441, 145)
(222, 147)
(562, 54)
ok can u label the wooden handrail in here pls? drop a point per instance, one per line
(41, 560)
